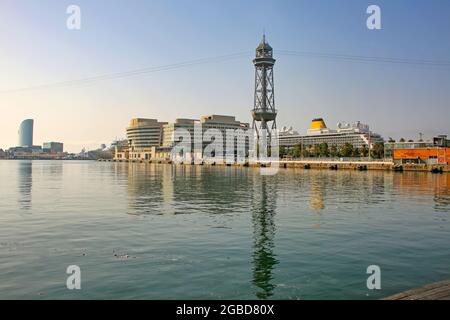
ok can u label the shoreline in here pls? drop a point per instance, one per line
(313, 164)
(49, 159)
(289, 164)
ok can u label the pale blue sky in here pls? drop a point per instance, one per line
(398, 100)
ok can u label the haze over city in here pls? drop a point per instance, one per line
(397, 99)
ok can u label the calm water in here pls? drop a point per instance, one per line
(163, 232)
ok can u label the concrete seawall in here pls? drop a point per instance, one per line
(362, 166)
(328, 165)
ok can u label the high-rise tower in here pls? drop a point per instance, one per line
(264, 113)
(26, 133)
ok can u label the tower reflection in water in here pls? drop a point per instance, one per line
(162, 189)
(25, 184)
(263, 213)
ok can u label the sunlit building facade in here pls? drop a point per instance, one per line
(142, 135)
(149, 139)
(435, 151)
(219, 123)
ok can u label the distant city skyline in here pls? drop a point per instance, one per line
(396, 99)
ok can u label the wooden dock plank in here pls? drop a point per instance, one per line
(436, 291)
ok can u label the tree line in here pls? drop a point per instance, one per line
(323, 150)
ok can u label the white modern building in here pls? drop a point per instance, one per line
(149, 139)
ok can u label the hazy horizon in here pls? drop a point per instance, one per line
(395, 99)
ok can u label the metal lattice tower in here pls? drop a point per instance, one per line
(264, 111)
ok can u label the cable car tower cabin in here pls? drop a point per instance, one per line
(264, 113)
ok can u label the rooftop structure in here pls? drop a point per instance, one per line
(221, 122)
(317, 125)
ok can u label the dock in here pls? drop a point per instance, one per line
(313, 164)
(436, 291)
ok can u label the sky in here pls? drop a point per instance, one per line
(395, 99)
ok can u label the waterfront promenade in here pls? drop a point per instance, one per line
(436, 291)
(321, 164)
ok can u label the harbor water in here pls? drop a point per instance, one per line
(159, 231)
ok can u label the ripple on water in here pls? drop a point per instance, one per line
(160, 231)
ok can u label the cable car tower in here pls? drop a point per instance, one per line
(264, 113)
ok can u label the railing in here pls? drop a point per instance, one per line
(341, 159)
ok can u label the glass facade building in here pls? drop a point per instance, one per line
(26, 133)
(53, 147)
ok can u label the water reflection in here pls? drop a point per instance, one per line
(166, 189)
(53, 170)
(442, 192)
(264, 259)
(163, 189)
(168, 203)
(144, 188)
(317, 199)
(375, 187)
(25, 184)
(224, 191)
(422, 184)
(343, 188)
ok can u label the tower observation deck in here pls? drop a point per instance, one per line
(264, 113)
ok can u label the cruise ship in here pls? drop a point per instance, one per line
(356, 134)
